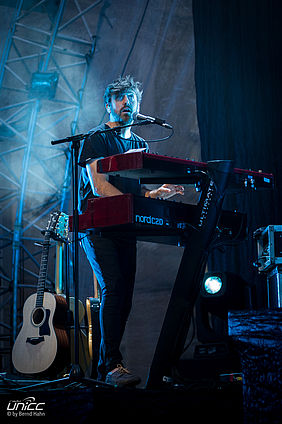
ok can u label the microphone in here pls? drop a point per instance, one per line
(158, 121)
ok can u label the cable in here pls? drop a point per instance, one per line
(135, 38)
(131, 49)
(153, 141)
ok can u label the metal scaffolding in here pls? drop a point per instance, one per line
(43, 75)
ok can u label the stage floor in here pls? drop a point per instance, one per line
(84, 401)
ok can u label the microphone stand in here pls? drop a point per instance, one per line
(142, 122)
(75, 146)
(79, 137)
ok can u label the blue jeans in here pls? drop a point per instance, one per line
(113, 260)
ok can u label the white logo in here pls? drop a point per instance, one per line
(206, 204)
(27, 407)
(149, 220)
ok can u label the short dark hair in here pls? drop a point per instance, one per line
(123, 84)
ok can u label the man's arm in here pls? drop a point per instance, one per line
(102, 187)
(99, 182)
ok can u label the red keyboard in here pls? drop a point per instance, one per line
(151, 168)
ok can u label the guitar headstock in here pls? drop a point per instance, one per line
(61, 232)
(58, 226)
(52, 222)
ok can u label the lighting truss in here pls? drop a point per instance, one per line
(35, 177)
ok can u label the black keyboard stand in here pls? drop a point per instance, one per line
(177, 320)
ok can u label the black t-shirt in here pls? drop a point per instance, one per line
(100, 145)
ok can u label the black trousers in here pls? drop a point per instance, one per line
(113, 260)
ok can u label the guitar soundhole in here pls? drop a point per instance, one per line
(38, 316)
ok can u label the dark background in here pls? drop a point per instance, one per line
(238, 85)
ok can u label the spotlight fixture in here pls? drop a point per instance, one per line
(214, 353)
(220, 292)
(212, 285)
(43, 85)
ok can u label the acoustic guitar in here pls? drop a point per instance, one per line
(42, 345)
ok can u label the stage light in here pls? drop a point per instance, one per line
(220, 292)
(43, 85)
(212, 285)
(214, 351)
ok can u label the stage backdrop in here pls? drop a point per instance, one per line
(238, 85)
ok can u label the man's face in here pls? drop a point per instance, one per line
(122, 107)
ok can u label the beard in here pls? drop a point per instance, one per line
(122, 117)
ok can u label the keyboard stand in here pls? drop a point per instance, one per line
(190, 273)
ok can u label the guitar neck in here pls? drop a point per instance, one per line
(43, 271)
(57, 225)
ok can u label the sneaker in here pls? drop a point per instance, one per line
(121, 377)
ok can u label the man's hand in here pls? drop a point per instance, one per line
(165, 191)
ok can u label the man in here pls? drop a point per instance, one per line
(113, 256)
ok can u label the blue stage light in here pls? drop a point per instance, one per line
(220, 292)
(213, 284)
